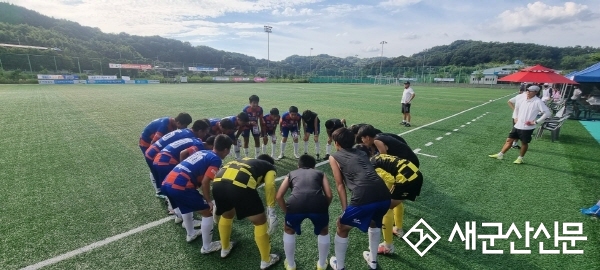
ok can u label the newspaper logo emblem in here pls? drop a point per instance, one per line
(422, 237)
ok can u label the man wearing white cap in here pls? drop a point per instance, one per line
(524, 115)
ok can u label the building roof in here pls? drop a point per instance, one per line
(502, 70)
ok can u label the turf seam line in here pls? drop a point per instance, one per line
(95, 245)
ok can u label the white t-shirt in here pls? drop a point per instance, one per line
(527, 110)
(518, 98)
(576, 94)
(407, 95)
(546, 94)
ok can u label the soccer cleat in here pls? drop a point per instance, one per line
(178, 220)
(319, 267)
(407, 125)
(367, 257)
(317, 157)
(385, 250)
(326, 157)
(273, 259)
(287, 266)
(518, 161)
(197, 223)
(333, 263)
(398, 232)
(225, 252)
(296, 155)
(496, 156)
(159, 195)
(516, 146)
(280, 157)
(190, 238)
(592, 211)
(214, 246)
(403, 123)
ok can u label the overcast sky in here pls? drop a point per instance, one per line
(336, 27)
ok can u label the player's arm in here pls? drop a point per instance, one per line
(316, 125)
(187, 153)
(156, 137)
(542, 107)
(381, 147)
(209, 175)
(281, 192)
(412, 96)
(343, 122)
(339, 182)
(327, 189)
(270, 188)
(511, 103)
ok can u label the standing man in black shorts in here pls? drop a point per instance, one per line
(524, 117)
(407, 96)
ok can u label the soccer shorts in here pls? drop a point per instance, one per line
(405, 107)
(360, 216)
(269, 132)
(245, 201)
(319, 221)
(522, 134)
(311, 129)
(285, 131)
(249, 128)
(408, 190)
(188, 200)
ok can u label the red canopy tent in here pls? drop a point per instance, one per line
(537, 74)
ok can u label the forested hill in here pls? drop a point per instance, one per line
(20, 25)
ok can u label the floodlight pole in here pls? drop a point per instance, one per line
(381, 64)
(268, 29)
(423, 69)
(310, 63)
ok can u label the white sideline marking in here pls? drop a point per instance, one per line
(427, 155)
(111, 239)
(438, 138)
(416, 151)
(448, 133)
(455, 130)
(468, 123)
(95, 245)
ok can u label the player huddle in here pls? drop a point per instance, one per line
(379, 169)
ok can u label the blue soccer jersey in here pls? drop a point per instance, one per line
(289, 121)
(170, 137)
(156, 129)
(170, 154)
(190, 172)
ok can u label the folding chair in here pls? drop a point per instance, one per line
(553, 125)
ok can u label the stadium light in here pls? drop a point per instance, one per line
(268, 29)
(381, 64)
(310, 62)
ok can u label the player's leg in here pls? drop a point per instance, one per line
(525, 136)
(340, 244)
(273, 137)
(194, 201)
(256, 137)
(285, 131)
(511, 137)
(377, 210)
(246, 136)
(307, 133)
(317, 146)
(180, 200)
(321, 225)
(295, 138)
(328, 147)
(265, 140)
(292, 225)
(407, 115)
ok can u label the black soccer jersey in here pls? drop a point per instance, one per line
(360, 177)
(398, 149)
(307, 194)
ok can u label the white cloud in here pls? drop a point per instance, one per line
(355, 42)
(289, 12)
(409, 36)
(341, 34)
(371, 49)
(539, 15)
(398, 3)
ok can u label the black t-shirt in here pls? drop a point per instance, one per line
(398, 149)
(307, 194)
(309, 119)
(242, 171)
(337, 123)
(360, 177)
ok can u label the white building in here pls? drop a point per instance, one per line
(491, 75)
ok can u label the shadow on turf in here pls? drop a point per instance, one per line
(438, 209)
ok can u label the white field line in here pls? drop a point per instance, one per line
(429, 144)
(111, 239)
(95, 245)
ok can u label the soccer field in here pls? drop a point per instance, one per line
(73, 177)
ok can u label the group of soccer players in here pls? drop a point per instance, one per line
(379, 169)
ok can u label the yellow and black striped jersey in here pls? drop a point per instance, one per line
(394, 170)
(250, 173)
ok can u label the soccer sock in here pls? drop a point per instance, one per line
(324, 243)
(514, 143)
(296, 148)
(340, 247)
(374, 238)
(153, 181)
(328, 149)
(273, 149)
(262, 242)
(207, 231)
(178, 212)
(188, 223)
(317, 148)
(264, 148)
(225, 227)
(519, 157)
(236, 150)
(289, 245)
(246, 151)
(399, 215)
(388, 226)
(282, 148)
(257, 152)
(500, 154)
(306, 147)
